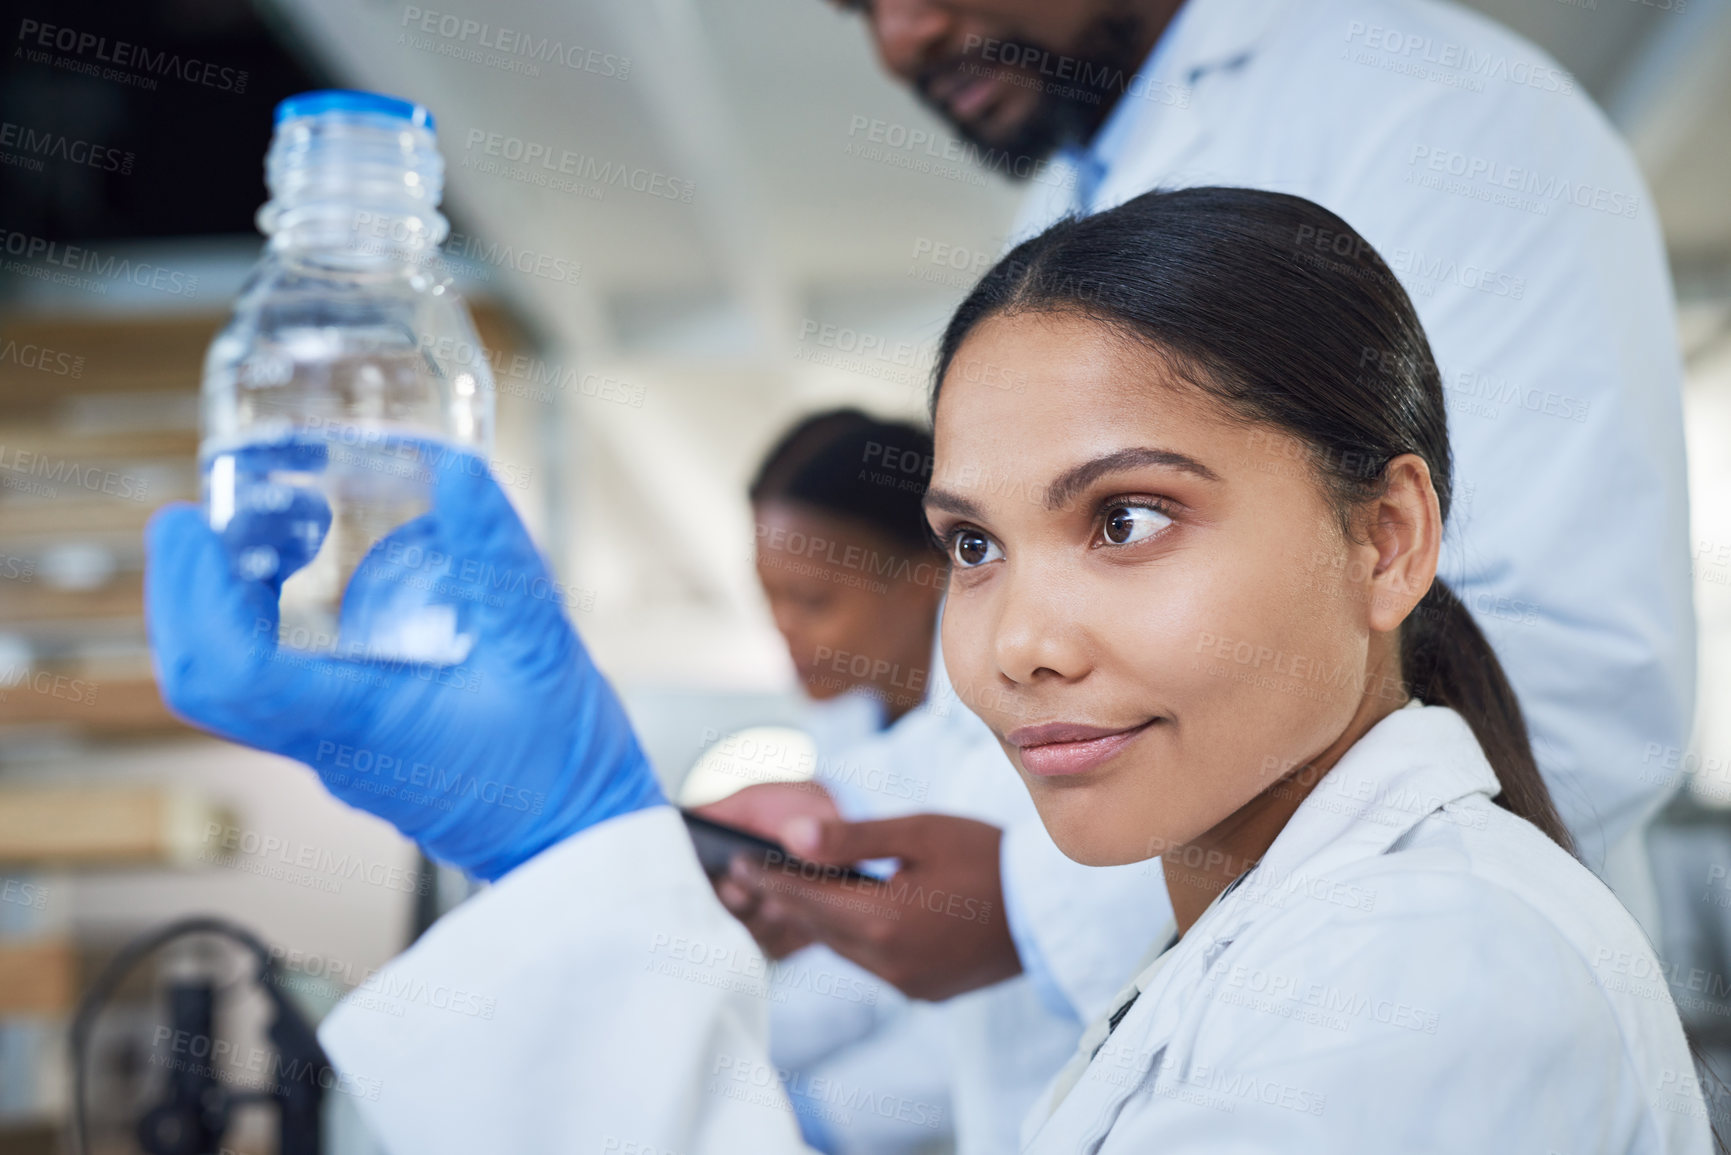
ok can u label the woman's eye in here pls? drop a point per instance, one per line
(1129, 524)
(970, 548)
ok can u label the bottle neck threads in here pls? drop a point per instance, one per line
(354, 186)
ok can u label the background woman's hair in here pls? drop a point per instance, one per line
(847, 464)
(1277, 309)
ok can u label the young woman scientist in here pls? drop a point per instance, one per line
(1192, 594)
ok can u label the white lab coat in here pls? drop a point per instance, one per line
(1549, 310)
(831, 1020)
(1409, 968)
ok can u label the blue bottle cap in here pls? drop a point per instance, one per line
(348, 100)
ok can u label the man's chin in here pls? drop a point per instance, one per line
(1013, 147)
(1018, 149)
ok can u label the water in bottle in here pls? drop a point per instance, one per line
(327, 408)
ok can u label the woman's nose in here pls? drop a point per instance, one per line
(1039, 632)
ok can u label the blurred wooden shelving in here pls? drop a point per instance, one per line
(38, 978)
(98, 428)
(103, 825)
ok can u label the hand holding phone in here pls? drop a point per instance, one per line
(718, 844)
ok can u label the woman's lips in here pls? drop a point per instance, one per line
(1063, 748)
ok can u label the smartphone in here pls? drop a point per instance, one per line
(718, 844)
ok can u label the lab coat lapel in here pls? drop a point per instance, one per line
(1128, 1060)
(1411, 764)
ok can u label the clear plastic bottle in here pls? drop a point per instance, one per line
(333, 393)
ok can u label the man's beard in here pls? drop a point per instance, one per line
(1069, 109)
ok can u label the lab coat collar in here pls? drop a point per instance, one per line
(1168, 113)
(1210, 34)
(1102, 152)
(1201, 36)
(1415, 762)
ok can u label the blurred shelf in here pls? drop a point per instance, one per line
(180, 445)
(101, 428)
(26, 1137)
(104, 825)
(102, 355)
(65, 519)
(103, 707)
(22, 602)
(38, 978)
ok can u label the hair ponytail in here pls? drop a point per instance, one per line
(1274, 307)
(1446, 660)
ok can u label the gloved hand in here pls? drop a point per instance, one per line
(485, 763)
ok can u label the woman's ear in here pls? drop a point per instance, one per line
(1405, 527)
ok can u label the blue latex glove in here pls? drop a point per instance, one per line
(486, 763)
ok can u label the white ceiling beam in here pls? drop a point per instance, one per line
(682, 95)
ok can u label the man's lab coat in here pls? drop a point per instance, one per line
(1409, 968)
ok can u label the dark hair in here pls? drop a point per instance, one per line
(848, 464)
(1275, 308)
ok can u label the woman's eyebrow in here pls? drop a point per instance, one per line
(1066, 486)
(1059, 493)
(951, 503)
